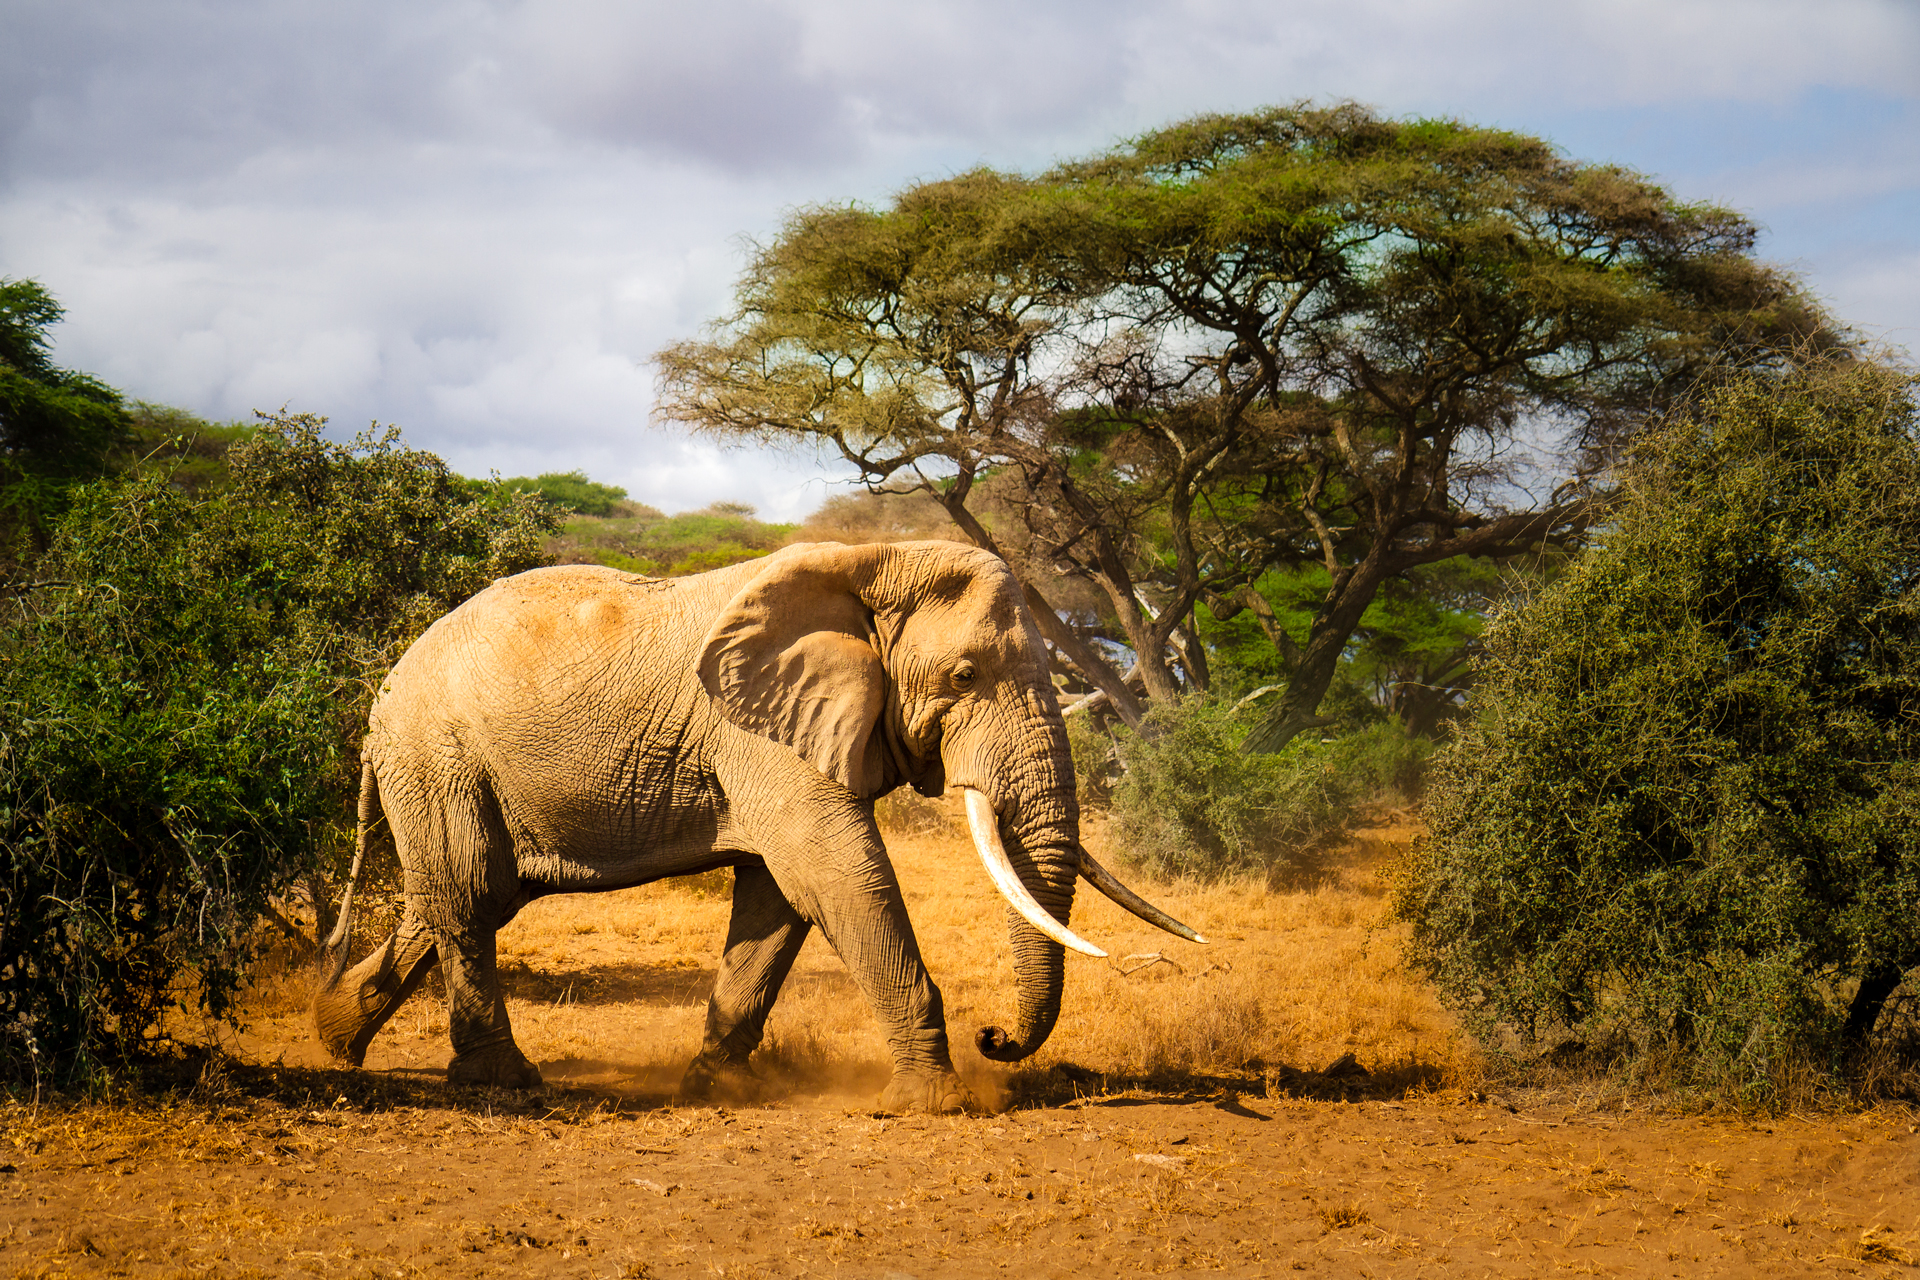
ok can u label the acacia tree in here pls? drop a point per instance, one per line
(1301, 336)
(57, 426)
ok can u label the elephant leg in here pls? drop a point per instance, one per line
(763, 938)
(830, 864)
(459, 867)
(870, 931)
(875, 939)
(483, 1047)
(351, 1012)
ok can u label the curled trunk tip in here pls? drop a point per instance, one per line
(997, 1046)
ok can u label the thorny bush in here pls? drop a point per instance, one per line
(1191, 802)
(181, 688)
(1683, 827)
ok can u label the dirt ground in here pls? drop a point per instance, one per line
(1177, 1124)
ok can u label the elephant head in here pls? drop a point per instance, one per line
(919, 664)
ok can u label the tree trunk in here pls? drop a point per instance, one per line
(1098, 671)
(1311, 677)
(1193, 654)
(1879, 982)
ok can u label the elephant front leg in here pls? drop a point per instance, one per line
(483, 1048)
(763, 938)
(859, 908)
(823, 851)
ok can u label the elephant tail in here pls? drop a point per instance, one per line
(343, 929)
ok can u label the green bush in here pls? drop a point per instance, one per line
(1685, 820)
(570, 490)
(647, 542)
(58, 428)
(182, 689)
(164, 771)
(1191, 803)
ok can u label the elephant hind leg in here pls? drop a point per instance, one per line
(483, 1048)
(350, 1012)
(763, 938)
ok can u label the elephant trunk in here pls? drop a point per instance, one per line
(1042, 861)
(1040, 972)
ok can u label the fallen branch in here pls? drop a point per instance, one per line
(1148, 959)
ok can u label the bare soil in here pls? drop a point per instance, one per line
(397, 1175)
(1225, 1146)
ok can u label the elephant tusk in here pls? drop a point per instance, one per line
(986, 840)
(1104, 880)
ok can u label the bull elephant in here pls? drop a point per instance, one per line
(578, 729)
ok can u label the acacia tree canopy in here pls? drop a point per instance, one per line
(1304, 336)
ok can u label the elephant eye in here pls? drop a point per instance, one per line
(963, 676)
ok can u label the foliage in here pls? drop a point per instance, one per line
(370, 540)
(1192, 803)
(164, 762)
(1409, 657)
(180, 695)
(190, 452)
(1686, 816)
(670, 546)
(572, 490)
(57, 427)
(1303, 336)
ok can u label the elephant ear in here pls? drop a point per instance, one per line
(791, 658)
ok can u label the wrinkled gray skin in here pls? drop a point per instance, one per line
(578, 729)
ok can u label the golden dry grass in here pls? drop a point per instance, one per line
(611, 988)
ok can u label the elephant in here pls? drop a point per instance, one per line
(580, 729)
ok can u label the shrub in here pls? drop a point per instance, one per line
(647, 542)
(1685, 820)
(181, 693)
(570, 490)
(1192, 803)
(58, 427)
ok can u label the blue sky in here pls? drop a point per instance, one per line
(478, 218)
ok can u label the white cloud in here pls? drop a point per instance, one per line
(718, 82)
(478, 218)
(1880, 284)
(1494, 54)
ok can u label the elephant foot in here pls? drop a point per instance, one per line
(936, 1092)
(342, 1030)
(496, 1064)
(718, 1079)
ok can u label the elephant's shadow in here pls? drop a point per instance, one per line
(649, 1076)
(663, 986)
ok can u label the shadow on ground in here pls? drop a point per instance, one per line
(1344, 1080)
(669, 986)
(577, 1086)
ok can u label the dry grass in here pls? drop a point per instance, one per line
(610, 989)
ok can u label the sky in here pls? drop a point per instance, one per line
(478, 219)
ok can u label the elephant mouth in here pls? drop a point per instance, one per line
(923, 768)
(985, 826)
